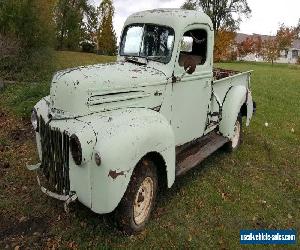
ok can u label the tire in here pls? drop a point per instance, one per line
(135, 208)
(236, 141)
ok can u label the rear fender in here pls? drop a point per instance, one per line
(234, 100)
(250, 107)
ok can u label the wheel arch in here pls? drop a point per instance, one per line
(232, 106)
(161, 168)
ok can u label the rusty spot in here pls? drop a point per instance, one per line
(136, 70)
(157, 93)
(114, 174)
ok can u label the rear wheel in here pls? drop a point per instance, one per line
(236, 140)
(138, 201)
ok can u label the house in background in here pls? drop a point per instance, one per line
(290, 55)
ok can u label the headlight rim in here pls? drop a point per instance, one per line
(34, 114)
(76, 149)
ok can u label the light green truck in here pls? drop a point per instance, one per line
(110, 136)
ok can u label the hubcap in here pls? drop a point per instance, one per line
(143, 201)
(236, 137)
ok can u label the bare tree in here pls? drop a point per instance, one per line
(223, 13)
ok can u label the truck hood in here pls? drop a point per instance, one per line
(88, 89)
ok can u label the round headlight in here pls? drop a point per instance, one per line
(35, 120)
(76, 150)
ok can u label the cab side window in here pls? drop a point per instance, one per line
(193, 47)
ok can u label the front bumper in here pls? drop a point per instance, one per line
(67, 199)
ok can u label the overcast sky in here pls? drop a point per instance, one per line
(266, 14)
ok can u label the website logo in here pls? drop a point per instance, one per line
(268, 236)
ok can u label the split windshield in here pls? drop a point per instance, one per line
(149, 41)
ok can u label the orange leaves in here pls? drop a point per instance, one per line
(224, 42)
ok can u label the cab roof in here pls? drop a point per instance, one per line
(178, 19)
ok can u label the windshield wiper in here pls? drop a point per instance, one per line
(155, 58)
(134, 60)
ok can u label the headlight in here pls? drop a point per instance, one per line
(35, 120)
(76, 150)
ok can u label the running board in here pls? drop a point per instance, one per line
(190, 155)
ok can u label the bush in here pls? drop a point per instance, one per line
(88, 47)
(26, 33)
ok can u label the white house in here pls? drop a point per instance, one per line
(290, 55)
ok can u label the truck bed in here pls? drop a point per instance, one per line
(224, 80)
(223, 73)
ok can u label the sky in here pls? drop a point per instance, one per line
(265, 18)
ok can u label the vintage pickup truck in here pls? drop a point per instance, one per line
(111, 135)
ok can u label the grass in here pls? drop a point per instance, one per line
(256, 187)
(20, 98)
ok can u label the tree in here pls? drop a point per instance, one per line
(75, 21)
(107, 40)
(258, 45)
(189, 5)
(270, 50)
(246, 47)
(297, 30)
(224, 42)
(285, 37)
(225, 14)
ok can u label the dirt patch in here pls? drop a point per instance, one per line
(21, 134)
(15, 129)
(4, 165)
(23, 227)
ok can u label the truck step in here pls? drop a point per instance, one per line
(190, 155)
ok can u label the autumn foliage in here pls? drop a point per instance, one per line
(270, 50)
(224, 42)
(274, 45)
(285, 36)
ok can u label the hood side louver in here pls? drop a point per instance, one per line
(116, 97)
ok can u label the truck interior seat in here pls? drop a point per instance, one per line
(183, 57)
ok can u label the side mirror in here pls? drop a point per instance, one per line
(190, 65)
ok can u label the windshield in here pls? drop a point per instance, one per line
(148, 41)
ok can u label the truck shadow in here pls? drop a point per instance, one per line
(105, 225)
(184, 180)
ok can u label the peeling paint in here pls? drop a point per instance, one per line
(114, 174)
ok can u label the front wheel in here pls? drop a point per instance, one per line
(236, 140)
(138, 201)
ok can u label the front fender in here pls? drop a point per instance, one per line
(123, 138)
(234, 100)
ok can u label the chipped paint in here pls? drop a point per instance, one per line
(114, 174)
(107, 87)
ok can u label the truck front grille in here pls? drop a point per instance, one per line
(55, 158)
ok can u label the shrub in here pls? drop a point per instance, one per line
(87, 46)
(26, 32)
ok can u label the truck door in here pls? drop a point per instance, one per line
(192, 92)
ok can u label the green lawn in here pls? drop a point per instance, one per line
(20, 98)
(255, 187)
